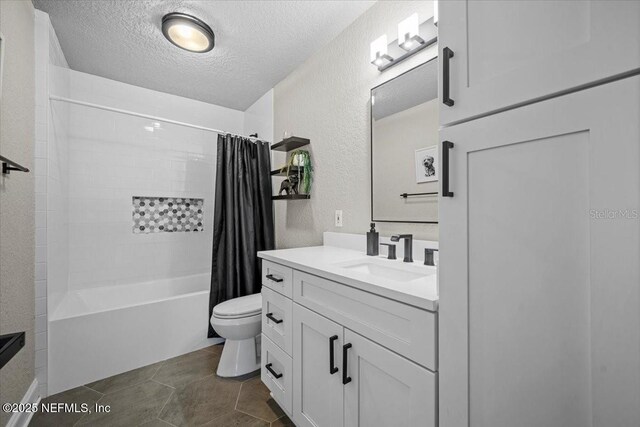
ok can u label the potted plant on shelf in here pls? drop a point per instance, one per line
(299, 165)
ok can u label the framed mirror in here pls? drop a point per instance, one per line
(404, 147)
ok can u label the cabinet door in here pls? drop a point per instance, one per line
(539, 273)
(386, 389)
(317, 389)
(510, 52)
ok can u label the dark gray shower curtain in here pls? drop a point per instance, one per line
(243, 218)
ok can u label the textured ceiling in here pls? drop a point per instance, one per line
(258, 43)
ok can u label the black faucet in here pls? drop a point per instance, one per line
(391, 253)
(408, 245)
(428, 256)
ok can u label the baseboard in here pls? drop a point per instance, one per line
(21, 419)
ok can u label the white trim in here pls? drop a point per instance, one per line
(22, 419)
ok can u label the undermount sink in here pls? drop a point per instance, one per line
(377, 268)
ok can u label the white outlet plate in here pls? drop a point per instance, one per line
(338, 221)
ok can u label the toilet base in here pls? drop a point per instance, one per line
(239, 357)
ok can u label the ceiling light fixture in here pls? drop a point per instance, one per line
(188, 32)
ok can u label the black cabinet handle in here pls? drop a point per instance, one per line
(273, 319)
(274, 278)
(345, 378)
(270, 369)
(446, 145)
(332, 368)
(446, 55)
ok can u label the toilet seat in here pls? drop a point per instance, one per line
(247, 306)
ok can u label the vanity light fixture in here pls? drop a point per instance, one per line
(409, 33)
(379, 56)
(188, 32)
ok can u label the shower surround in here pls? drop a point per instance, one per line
(118, 298)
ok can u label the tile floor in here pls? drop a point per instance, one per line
(183, 391)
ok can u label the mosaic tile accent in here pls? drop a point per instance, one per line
(166, 214)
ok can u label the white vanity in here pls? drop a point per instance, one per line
(350, 340)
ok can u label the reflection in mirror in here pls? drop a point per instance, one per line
(404, 147)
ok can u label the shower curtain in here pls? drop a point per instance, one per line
(243, 218)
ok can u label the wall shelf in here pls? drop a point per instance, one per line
(290, 144)
(283, 171)
(292, 197)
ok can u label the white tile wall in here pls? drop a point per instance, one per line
(112, 157)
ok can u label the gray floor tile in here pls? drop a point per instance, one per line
(156, 423)
(126, 379)
(182, 370)
(237, 419)
(254, 399)
(201, 401)
(131, 406)
(78, 396)
(217, 348)
(283, 422)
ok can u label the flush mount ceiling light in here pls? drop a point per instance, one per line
(188, 32)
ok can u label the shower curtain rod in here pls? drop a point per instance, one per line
(146, 116)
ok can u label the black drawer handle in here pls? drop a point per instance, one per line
(274, 278)
(332, 366)
(273, 319)
(345, 378)
(446, 55)
(270, 369)
(446, 146)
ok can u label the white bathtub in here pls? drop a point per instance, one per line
(96, 333)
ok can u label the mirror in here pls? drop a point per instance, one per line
(404, 147)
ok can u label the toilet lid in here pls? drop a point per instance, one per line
(249, 305)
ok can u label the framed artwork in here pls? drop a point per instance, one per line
(427, 164)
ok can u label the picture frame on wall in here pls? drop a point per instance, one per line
(427, 164)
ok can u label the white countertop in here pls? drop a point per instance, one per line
(324, 261)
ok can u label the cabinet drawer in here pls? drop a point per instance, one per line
(276, 360)
(407, 330)
(277, 277)
(276, 318)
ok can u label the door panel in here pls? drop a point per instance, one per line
(508, 53)
(317, 393)
(539, 274)
(385, 388)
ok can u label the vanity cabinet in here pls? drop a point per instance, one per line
(540, 272)
(506, 53)
(318, 390)
(357, 359)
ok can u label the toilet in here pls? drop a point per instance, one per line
(239, 321)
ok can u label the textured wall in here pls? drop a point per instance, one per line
(17, 223)
(327, 100)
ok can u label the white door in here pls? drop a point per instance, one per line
(539, 311)
(510, 52)
(317, 386)
(384, 389)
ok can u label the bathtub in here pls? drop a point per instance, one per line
(100, 332)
